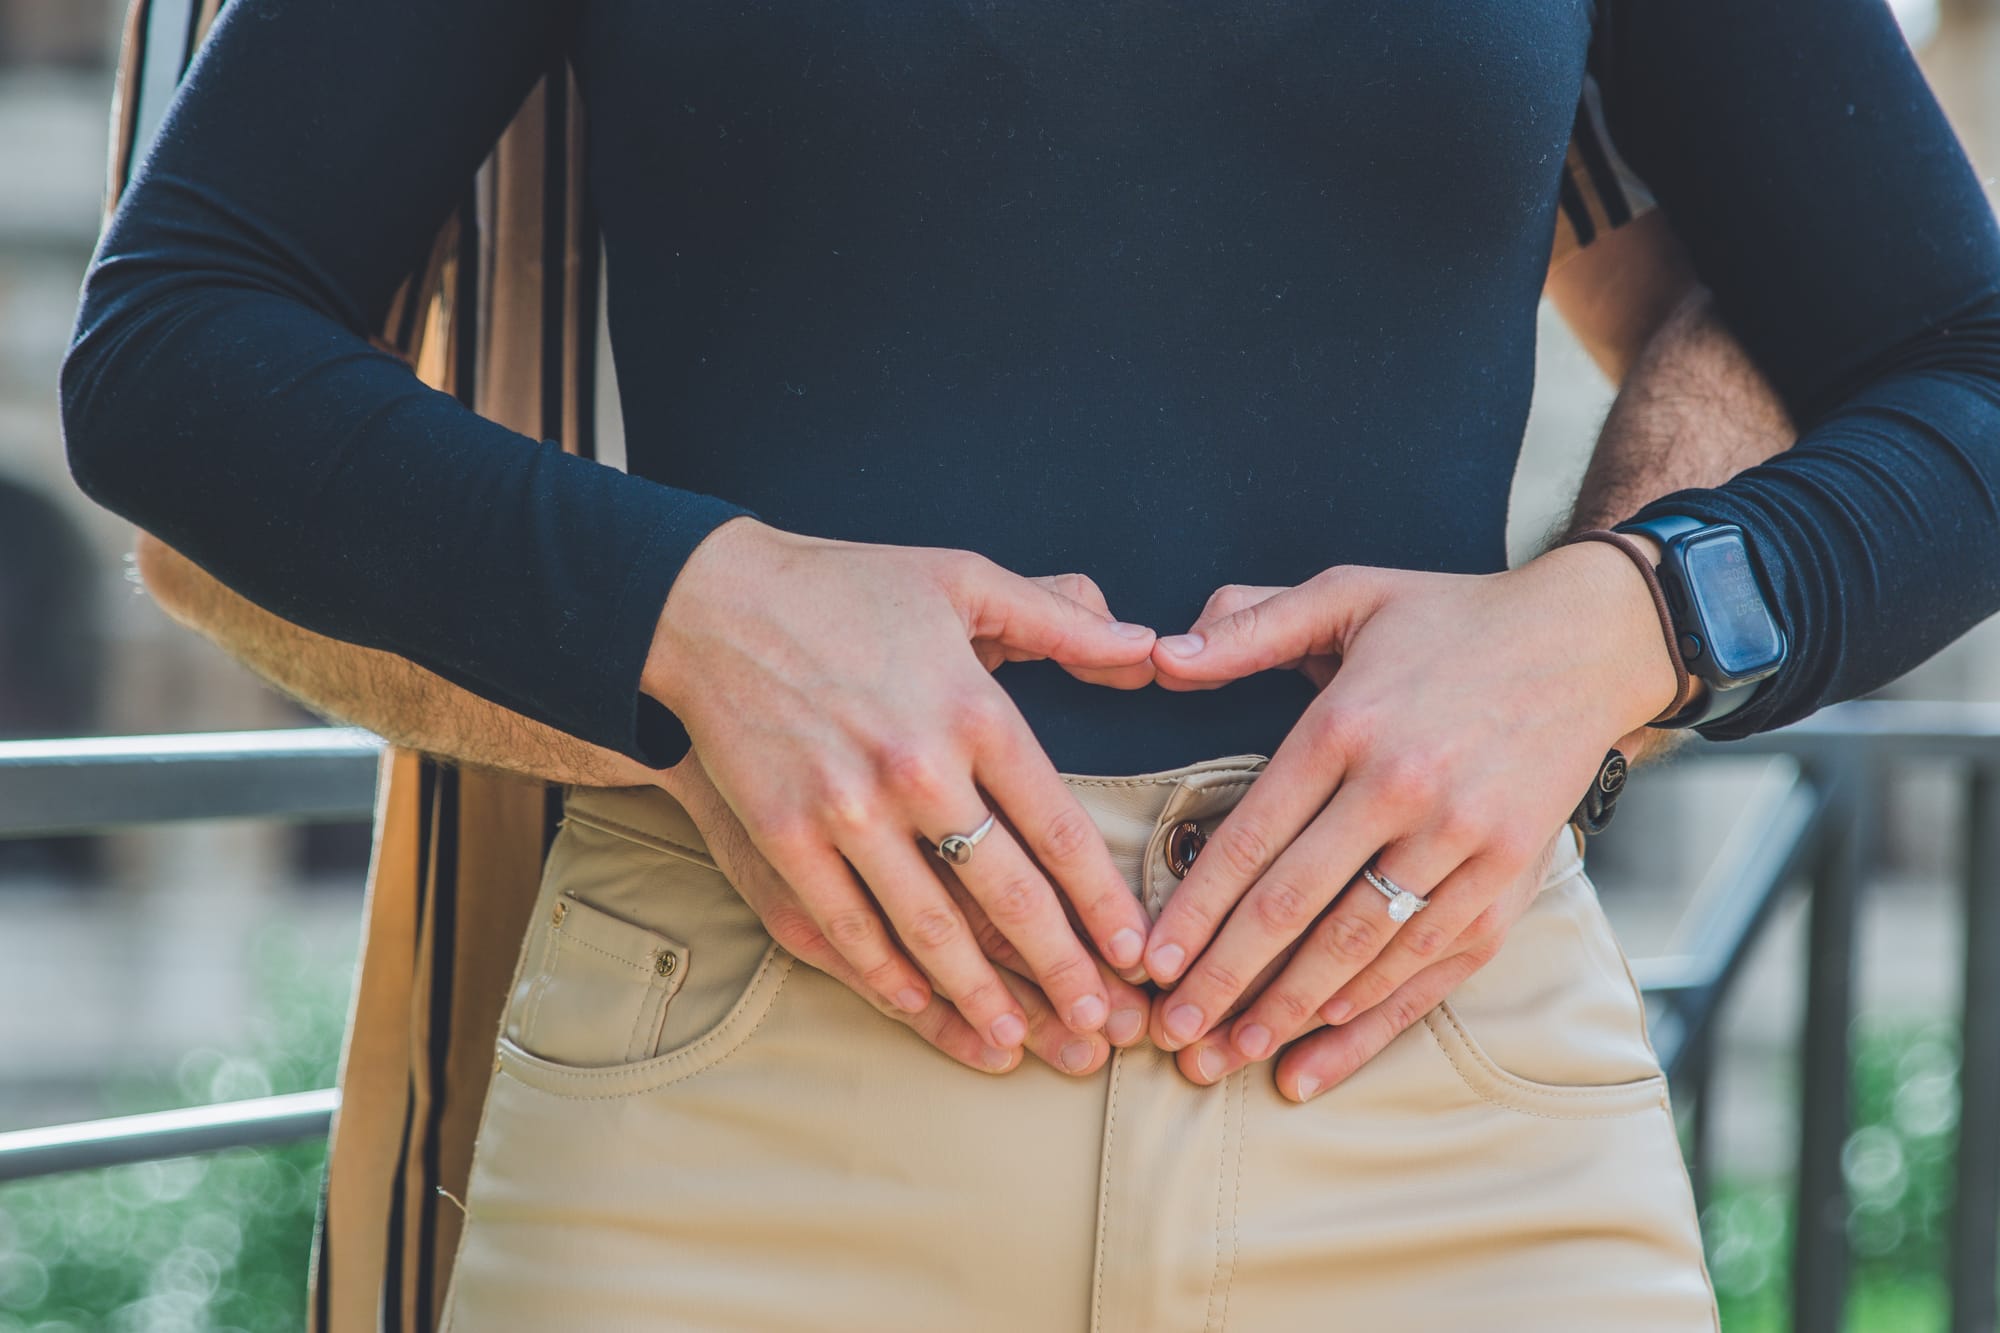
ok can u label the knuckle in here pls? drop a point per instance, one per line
(912, 771)
(934, 928)
(1289, 1007)
(1336, 731)
(1409, 780)
(1480, 954)
(979, 715)
(1221, 979)
(992, 941)
(1425, 939)
(787, 835)
(1350, 939)
(1067, 834)
(884, 976)
(1071, 972)
(851, 927)
(796, 933)
(1245, 848)
(1079, 588)
(847, 809)
(986, 996)
(1283, 907)
(1403, 1011)
(1014, 900)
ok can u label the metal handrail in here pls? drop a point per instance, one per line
(85, 1145)
(88, 785)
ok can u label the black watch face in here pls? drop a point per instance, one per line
(1743, 639)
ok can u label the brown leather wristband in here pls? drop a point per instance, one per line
(1683, 685)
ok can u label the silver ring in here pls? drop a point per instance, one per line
(1402, 903)
(957, 847)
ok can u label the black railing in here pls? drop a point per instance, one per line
(1813, 831)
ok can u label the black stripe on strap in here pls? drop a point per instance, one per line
(444, 947)
(1575, 209)
(1603, 177)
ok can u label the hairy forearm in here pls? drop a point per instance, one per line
(1694, 411)
(391, 696)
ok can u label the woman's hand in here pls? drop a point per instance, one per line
(785, 916)
(1323, 1057)
(1461, 719)
(840, 697)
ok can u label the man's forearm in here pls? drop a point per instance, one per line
(1694, 411)
(391, 696)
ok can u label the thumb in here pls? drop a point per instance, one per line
(1025, 619)
(1261, 636)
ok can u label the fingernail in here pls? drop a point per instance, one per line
(1075, 1056)
(1308, 1087)
(1166, 961)
(1087, 1014)
(995, 1058)
(910, 1000)
(1130, 631)
(1124, 1026)
(1183, 1022)
(1254, 1040)
(1183, 645)
(1009, 1030)
(1124, 947)
(1337, 1011)
(1209, 1064)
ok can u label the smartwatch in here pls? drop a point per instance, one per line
(1727, 632)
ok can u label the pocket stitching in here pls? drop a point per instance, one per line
(662, 1070)
(618, 829)
(1509, 1091)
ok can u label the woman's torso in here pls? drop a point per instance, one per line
(1174, 295)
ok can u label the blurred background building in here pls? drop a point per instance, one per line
(146, 959)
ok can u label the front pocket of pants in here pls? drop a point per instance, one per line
(645, 965)
(1554, 1025)
(597, 988)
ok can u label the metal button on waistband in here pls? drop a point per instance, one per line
(664, 963)
(1184, 844)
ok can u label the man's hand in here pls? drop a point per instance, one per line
(1465, 717)
(841, 697)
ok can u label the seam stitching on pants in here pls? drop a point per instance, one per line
(1494, 1071)
(1104, 1195)
(1122, 782)
(645, 838)
(1215, 1269)
(600, 1075)
(1236, 1195)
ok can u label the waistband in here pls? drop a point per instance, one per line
(1137, 815)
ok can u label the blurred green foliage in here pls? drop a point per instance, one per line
(199, 1243)
(1898, 1164)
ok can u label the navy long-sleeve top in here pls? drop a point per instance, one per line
(1174, 294)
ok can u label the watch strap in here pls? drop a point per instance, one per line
(1713, 705)
(1683, 685)
(1664, 528)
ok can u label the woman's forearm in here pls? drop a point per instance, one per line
(389, 695)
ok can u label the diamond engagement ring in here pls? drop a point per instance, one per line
(957, 847)
(1402, 903)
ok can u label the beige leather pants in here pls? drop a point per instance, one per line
(690, 1130)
